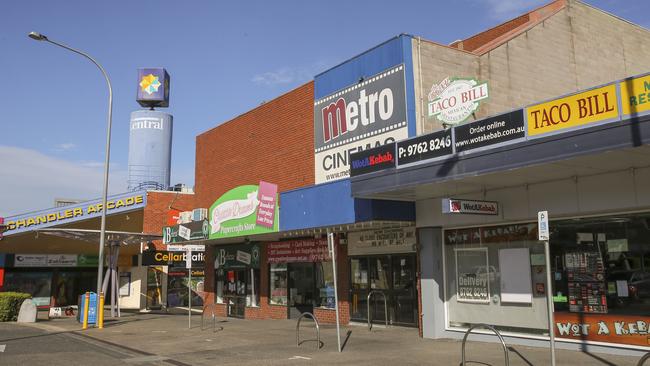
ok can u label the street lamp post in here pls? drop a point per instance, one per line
(100, 267)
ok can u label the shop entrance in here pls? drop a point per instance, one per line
(302, 289)
(234, 293)
(394, 275)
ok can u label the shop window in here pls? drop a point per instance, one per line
(253, 287)
(602, 265)
(359, 273)
(278, 284)
(219, 282)
(496, 273)
(325, 284)
(37, 284)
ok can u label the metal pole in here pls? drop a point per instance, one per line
(108, 153)
(188, 264)
(549, 300)
(189, 300)
(331, 244)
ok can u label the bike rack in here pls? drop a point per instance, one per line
(214, 319)
(310, 315)
(385, 308)
(503, 342)
(643, 359)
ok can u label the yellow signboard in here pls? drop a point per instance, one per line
(635, 95)
(576, 110)
(87, 211)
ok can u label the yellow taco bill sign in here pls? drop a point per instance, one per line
(577, 110)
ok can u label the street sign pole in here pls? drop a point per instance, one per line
(332, 249)
(188, 265)
(544, 233)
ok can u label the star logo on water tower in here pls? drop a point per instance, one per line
(150, 84)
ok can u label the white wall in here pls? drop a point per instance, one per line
(136, 300)
(600, 194)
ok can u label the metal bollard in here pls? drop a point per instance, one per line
(86, 305)
(100, 316)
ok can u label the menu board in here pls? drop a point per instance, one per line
(586, 282)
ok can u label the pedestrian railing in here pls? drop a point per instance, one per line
(643, 359)
(309, 315)
(486, 326)
(373, 292)
(210, 310)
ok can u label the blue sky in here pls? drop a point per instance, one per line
(224, 58)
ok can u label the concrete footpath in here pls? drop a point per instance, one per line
(163, 339)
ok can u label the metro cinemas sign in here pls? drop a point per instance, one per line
(360, 117)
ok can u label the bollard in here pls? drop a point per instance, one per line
(86, 302)
(100, 316)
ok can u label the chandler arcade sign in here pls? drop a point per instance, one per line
(82, 211)
(580, 110)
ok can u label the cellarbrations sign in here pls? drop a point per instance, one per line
(362, 116)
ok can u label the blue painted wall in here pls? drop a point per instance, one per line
(332, 204)
(393, 52)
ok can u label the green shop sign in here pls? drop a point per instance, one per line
(85, 260)
(245, 210)
(237, 256)
(195, 230)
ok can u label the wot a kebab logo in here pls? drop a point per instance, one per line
(365, 115)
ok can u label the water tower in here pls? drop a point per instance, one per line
(150, 133)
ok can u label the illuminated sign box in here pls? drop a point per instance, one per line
(153, 87)
(456, 206)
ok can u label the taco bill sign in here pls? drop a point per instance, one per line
(245, 210)
(453, 100)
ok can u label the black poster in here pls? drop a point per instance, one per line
(372, 160)
(433, 145)
(490, 131)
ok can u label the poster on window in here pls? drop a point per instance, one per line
(472, 275)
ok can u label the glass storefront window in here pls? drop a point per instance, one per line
(253, 289)
(496, 273)
(37, 284)
(154, 287)
(379, 273)
(325, 285)
(219, 281)
(600, 278)
(278, 284)
(602, 265)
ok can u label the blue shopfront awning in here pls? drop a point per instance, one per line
(331, 205)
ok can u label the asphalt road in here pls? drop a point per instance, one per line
(22, 346)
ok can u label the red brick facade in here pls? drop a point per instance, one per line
(268, 311)
(273, 142)
(155, 212)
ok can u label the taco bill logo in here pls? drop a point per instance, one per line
(453, 100)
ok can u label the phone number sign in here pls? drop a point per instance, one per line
(427, 147)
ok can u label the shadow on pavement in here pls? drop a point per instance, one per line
(347, 336)
(514, 350)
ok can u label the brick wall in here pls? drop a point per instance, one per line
(273, 142)
(268, 311)
(155, 213)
